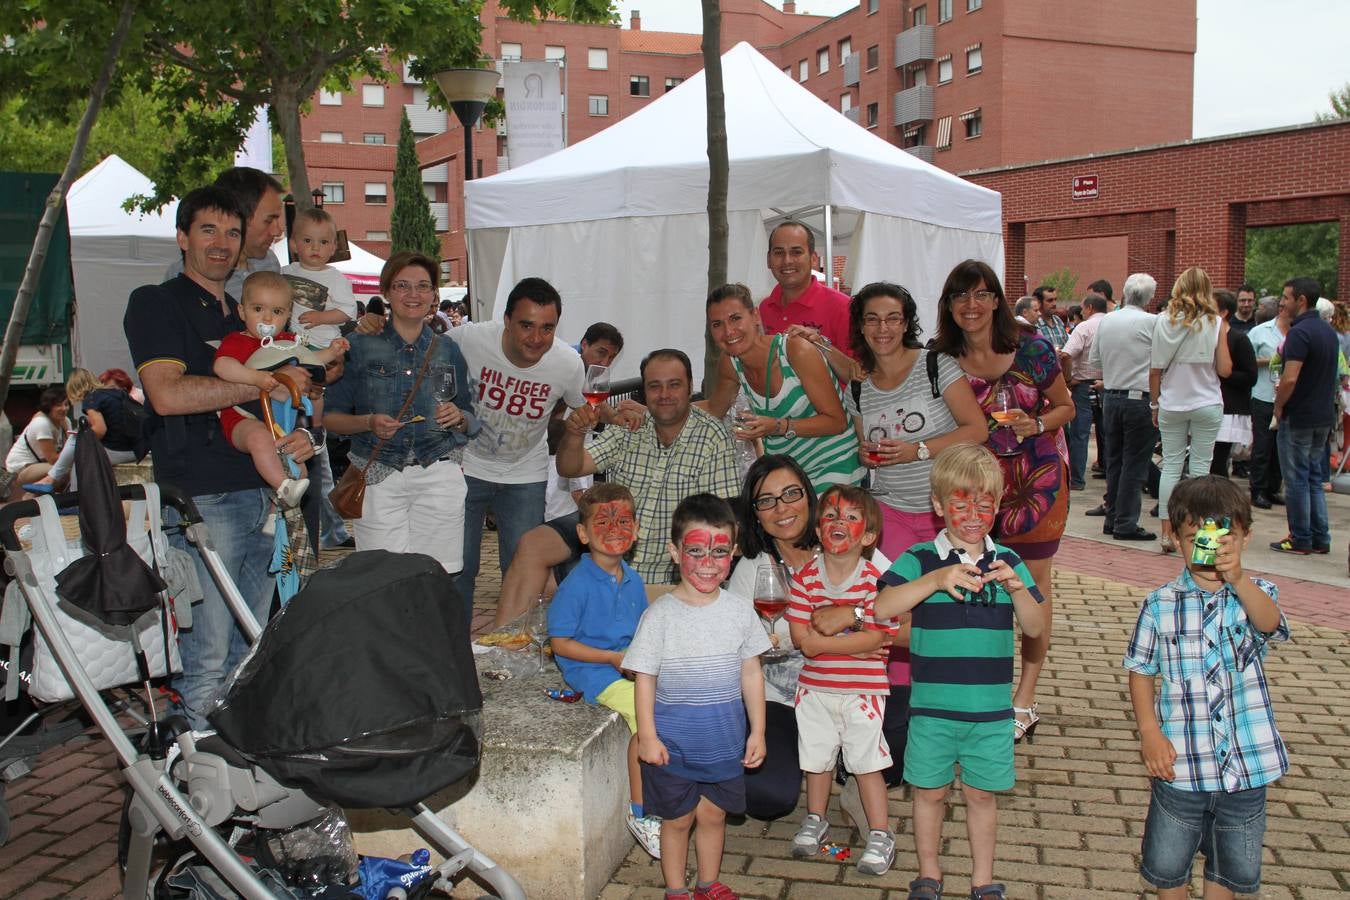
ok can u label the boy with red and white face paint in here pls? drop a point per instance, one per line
(696, 660)
(591, 622)
(964, 591)
(842, 688)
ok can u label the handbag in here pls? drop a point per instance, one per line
(348, 496)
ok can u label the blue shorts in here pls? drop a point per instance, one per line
(1227, 828)
(669, 796)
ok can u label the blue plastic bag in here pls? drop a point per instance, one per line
(380, 875)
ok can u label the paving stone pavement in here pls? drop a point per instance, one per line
(1070, 829)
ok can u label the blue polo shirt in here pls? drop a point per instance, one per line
(1312, 342)
(594, 608)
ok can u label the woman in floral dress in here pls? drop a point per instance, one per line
(1015, 372)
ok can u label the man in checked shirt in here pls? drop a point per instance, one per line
(1208, 734)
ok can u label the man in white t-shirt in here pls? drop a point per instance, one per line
(520, 373)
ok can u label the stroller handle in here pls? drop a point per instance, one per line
(27, 509)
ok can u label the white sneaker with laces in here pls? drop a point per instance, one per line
(647, 830)
(807, 840)
(291, 490)
(879, 853)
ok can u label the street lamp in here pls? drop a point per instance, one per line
(468, 92)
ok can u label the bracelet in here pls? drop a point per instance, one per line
(1040, 425)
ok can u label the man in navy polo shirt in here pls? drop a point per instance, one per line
(1306, 412)
(168, 327)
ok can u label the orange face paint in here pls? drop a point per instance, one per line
(612, 527)
(841, 526)
(970, 517)
(705, 558)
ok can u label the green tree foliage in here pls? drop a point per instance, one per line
(1340, 105)
(1274, 255)
(411, 226)
(1063, 280)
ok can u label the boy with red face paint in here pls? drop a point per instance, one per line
(591, 622)
(842, 688)
(964, 591)
(696, 659)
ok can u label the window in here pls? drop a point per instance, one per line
(974, 123)
(639, 86)
(872, 6)
(597, 58)
(921, 15)
(377, 235)
(974, 60)
(945, 69)
(914, 137)
(944, 11)
(673, 82)
(845, 50)
(918, 76)
(845, 103)
(598, 104)
(330, 98)
(429, 191)
(372, 137)
(944, 133)
(558, 54)
(334, 192)
(330, 137)
(873, 57)
(372, 95)
(871, 115)
(787, 70)
(377, 192)
(972, 5)
(511, 51)
(822, 60)
(803, 71)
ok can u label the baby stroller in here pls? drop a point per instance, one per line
(362, 692)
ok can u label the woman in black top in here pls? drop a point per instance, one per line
(1236, 389)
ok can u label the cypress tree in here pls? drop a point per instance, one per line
(411, 226)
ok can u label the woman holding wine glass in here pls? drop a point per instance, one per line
(404, 399)
(1016, 378)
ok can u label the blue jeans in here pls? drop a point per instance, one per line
(1130, 437)
(1301, 455)
(516, 508)
(1226, 828)
(1079, 433)
(214, 644)
(332, 529)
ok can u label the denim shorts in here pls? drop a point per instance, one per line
(1227, 828)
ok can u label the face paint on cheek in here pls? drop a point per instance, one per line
(705, 559)
(841, 527)
(616, 527)
(966, 513)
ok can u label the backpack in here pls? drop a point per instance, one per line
(127, 425)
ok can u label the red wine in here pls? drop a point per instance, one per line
(874, 456)
(770, 607)
(595, 398)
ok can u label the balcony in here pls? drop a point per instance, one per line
(436, 174)
(914, 105)
(424, 119)
(852, 69)
(503, 163)
(852, 114)
(923, 152)
(915, 45)
(441, 213)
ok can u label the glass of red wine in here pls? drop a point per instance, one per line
(877, 430)
(596, 390)
(771, 598)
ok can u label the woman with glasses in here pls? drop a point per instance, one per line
(795, 404)
(1017, 381)
(407, 443)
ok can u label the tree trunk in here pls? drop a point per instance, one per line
(718, 170)
(286, 104)
(23, 300)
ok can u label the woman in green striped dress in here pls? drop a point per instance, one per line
(796, 405)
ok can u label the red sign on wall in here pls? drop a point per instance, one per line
(1084, 187)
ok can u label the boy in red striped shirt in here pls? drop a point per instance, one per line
(842, 689)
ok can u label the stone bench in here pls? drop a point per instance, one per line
(549, 800)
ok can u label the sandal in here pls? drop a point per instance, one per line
(1167, 545)
(1025, 729)
(925, 889)
(989, 892)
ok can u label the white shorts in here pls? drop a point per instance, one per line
(417, 510)
(826, 722)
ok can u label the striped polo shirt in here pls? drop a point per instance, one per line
(961, 651)
(838, 673)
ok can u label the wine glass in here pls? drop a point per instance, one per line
(596, 390)
(537, 625)
(877, 431)
(443, 388)
(771, 597)
(1004, 408)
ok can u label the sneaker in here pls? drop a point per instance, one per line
(715, 891)
(1323, 549)
(647, 830)
(807, 840)
(879, 853)
(1286, 545)
(291, 490)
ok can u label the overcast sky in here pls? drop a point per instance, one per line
(1258, 64)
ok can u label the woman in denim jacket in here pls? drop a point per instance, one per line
(415, 487)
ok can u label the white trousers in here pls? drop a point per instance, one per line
(418, 510)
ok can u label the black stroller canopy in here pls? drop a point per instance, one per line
(363, 690)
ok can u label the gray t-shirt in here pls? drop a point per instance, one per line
(909, 413)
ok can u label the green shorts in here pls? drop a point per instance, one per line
(619, 697)
(984, 750)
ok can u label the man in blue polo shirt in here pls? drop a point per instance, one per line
(1306, 412)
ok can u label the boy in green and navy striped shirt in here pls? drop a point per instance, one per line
(963, 591)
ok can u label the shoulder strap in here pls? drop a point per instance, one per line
(931, 363)
(412, 394)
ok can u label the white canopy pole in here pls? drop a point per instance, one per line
(829, 249)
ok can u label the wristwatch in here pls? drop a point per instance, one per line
(858, 617)
(923, 453)
(789, 432)
(1040, 425)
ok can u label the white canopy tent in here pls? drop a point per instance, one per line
(618, 222)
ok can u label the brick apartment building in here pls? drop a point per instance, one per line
(963, 84)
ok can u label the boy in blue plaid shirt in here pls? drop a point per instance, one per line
(1207, 730)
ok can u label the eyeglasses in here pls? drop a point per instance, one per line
(984, 298)
(894, 320)
(408, 287)
(766, 502)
